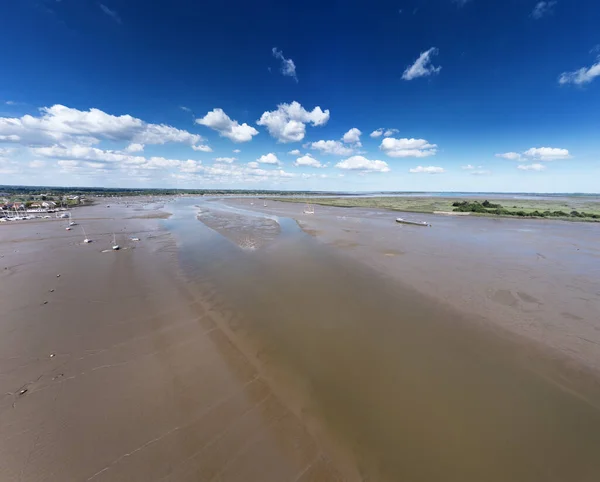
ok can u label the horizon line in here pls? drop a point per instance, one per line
(9, 186)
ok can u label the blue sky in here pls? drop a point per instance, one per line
(454, 95)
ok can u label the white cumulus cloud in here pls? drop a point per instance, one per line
(108, 158)
(511, 156)
(543, 8)
(87, 153)
(288, 122)
(227, 160)
(407, 147)
(111, 13)
(382, 131)
(547, 153)
(135, 147)
(191, 166)
(427, 170)
(288, 67)
(226, 174)
(89, 161)
(332, 147)
(537, 154)
(294, 152)
(531, 167)
(64, 125)
(269, 158)
(422, 66)
(581, 76)
(202, 148)
(360, 163)
(352, 136)
(217, 120)
(161, 134)
(307, 160)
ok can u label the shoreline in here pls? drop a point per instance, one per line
(444, 206)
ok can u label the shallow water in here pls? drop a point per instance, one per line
(408, 386)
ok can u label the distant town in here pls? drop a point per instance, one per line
(22, 205)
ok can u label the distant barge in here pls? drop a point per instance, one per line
(413, 223)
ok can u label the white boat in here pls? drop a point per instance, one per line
(414, 223)
(115, 246)
(86, 240)
(265, 204)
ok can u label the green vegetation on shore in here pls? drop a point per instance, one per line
(573, 208)
(487, 207)
(406, 204)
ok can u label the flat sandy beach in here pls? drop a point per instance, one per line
(231, 344)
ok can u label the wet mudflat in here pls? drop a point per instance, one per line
(199, 353)
(112, 368)
(411, 386)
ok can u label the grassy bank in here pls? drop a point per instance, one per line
(586, 209)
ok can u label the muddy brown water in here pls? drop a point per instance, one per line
(407, 386)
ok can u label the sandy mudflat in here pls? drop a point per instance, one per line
(364, 350)
(116, 370)
(533, 278)
(388, 344)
